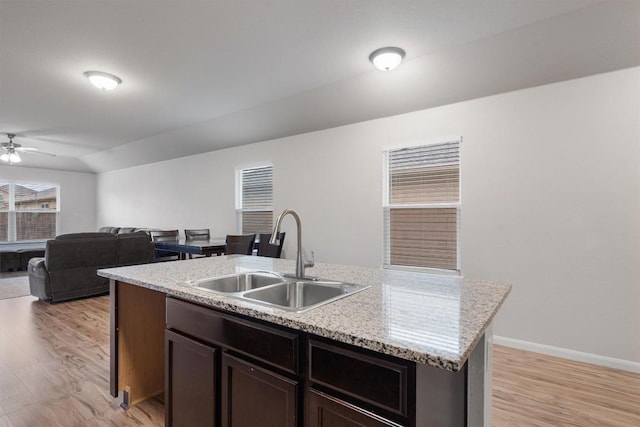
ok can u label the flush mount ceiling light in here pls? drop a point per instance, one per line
(104, 81)
(387, 58)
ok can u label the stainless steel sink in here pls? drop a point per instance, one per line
(240, 282)
(301, 295)
(276, 290)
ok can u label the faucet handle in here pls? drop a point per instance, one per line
(311, 262)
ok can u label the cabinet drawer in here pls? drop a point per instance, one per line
(327, 411)
(269, 345)
(374, 380)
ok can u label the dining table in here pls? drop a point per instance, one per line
(214, 245)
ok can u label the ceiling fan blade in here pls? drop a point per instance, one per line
(12, 148)
(37, 152)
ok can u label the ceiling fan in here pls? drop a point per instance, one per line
(12, 150)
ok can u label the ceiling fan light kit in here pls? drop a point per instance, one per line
(387, 58)
(11, 158)
(11, 150)
(101, 80)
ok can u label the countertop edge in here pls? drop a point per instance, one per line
(279, 317)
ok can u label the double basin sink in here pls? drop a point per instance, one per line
(276, 290)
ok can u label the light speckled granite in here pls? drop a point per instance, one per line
(431, 319)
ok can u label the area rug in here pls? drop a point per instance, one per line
(13, 287)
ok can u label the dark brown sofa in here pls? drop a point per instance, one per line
(68, 269)
(16, 256)
(122, 230)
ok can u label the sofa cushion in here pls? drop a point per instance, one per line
(109, 229)
(124, 230)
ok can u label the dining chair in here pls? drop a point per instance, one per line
(165, 236)
(240, 244)
(267, 249)
(197, 234)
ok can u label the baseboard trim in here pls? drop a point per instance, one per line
(578, 356)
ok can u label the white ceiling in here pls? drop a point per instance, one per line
(204, 75)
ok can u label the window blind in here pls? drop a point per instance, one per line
(254, 222)
(422, 206)
(256, 205)
(4, 211)
(426, 174)
(423, 237)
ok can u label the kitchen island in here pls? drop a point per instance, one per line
(413, 349)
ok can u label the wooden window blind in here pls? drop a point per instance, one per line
(256, 200)
(422, 204)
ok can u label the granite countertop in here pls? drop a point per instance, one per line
(431, 319)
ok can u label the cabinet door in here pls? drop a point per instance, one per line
(190, 379)
(326, 411)
(253, 396)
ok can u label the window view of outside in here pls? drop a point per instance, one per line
(28, 211)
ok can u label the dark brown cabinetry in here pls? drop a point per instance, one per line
(372, 379)
(326, 411)
(367, 388)
(190, 378)
(224, 369)
(228, 371)
(253, 396)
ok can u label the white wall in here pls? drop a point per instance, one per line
(77, 194)
(550, 196)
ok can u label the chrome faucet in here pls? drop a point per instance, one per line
(300, 265)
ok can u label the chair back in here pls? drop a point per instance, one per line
(164, 235)
(197, 234)
(267, 249)
(242, 244)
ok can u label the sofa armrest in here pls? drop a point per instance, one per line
(36, 263)
(39, 282)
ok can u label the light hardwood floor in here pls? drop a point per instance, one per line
(531, 389)
(54, 371)
(54, 367)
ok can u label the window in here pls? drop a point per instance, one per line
(254, 199)
(4, 212)
(422, 206)
(28, 211)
